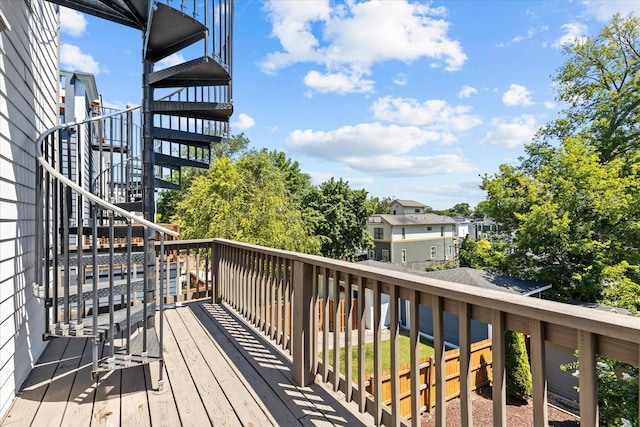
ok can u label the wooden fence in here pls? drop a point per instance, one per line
(481, 375)
(332, 315)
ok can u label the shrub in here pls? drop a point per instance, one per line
(519, 383)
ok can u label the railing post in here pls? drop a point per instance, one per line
(216, 293)
(303, 333)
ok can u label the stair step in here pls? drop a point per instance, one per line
(119, 288)
(166, 160)
(170, 31)
(161, 183)
(119, 258)
(187, 138)
(219, 111)
(130, 206)
(132, 13)
(203, 71)
(119, 231)
(102, 329)
(138, 355)
(109, 148)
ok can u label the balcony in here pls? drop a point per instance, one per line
(243, 346)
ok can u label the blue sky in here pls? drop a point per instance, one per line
(411, 100)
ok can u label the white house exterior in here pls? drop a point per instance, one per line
(412, 238)
(29, 51)
(406, 207)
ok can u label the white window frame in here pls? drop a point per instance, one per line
(434, 252)
(385, 255)
(403, 255)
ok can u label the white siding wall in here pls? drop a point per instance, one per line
(28, 105)
(421, 232)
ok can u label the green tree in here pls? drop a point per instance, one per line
(571, 218)
(617, 391)
(246, 201)
(379, 205)
(480, 212)
(483, 254)
(600, 84)
(231, 147)
(519, 383)
(343, 214)
(462, 209)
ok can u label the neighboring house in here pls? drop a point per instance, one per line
(412, 239)
(29, 94)
(406, 207)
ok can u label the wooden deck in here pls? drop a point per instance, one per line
(218, 371)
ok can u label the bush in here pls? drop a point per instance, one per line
(519, 383)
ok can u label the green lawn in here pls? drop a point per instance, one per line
(426, 350)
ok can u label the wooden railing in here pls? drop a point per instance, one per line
(251, 278)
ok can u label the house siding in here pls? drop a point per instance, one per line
(28, 105)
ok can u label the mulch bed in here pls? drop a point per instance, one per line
(518, 413)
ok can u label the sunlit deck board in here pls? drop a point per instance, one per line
(54, 402)
(218, 371)
(248, 411)
(25, 407)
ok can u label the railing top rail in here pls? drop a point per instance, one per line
(614, 325)
(45, 164)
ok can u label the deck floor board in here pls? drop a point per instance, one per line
(218, 370)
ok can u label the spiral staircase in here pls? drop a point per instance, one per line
(99, 254)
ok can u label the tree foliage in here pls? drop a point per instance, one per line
(600, 84)
(246, 201)
(573, 218)
(519, 382)
(379, 205)
(483, 254)
(342, 215)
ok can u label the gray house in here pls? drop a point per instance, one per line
(415, 239)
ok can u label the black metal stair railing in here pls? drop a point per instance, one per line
(95, 282)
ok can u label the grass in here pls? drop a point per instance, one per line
(426, 350)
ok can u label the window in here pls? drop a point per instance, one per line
(404, 255)
(434, 252)
(403, 233)
(372, 254)
(378, 233)
(429, 228)
(441, 231)
(385, 255)
(417, 210)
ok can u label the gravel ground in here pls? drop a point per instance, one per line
(517, 414)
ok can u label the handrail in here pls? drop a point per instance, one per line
(45, 164)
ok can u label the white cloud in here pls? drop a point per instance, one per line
(603, 10)
(72, 59)
(390, 165)
(574, 33)
(338, 83)
(72, 22)
(340, 37)
(517, 95)
(244, 122)
(549, 105)
(377, 149)
(435, 115)
(467, 91)
(511, 134)
(169, 61)
(400, 79)
(519, 38)
(362, 140)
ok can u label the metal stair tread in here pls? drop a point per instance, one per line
(132, 13)
(204, 71)
(119, 258)
(119, 231)
(130, 206)
(136, 357)
(119, 288)
(103, 328)
(161, 183)
(188, 138)
(177, 162)
(170, 30)
(219, 111)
